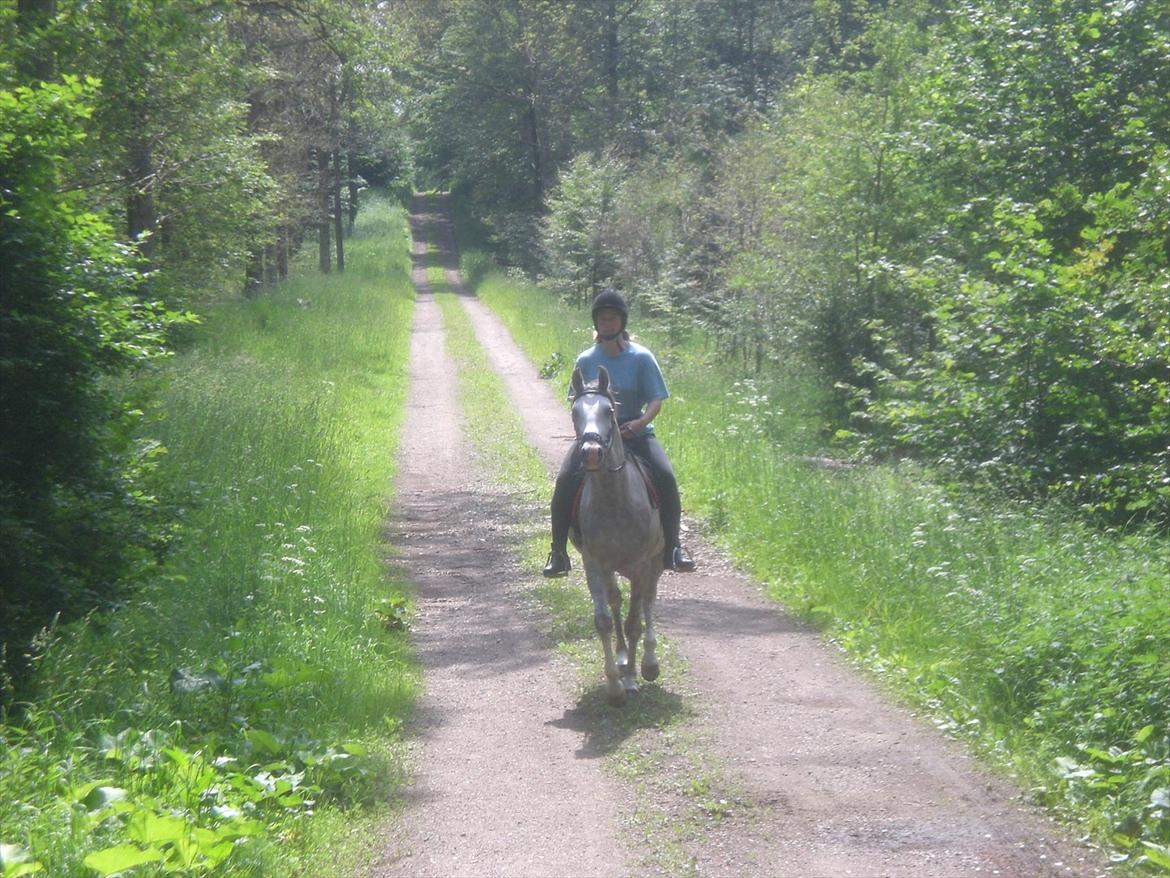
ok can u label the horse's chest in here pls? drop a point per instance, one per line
(622, 526)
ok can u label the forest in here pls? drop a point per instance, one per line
(950, 219)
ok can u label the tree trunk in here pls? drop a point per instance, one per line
(283, 248)
(338, 211)
(254, 274)
(270, 275)
(141, 221)
(611, 61)
(531, 123)
(352, 183)
(324, 252)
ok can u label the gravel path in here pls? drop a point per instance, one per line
(803, 769)
(497, 787)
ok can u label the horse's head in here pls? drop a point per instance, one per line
(595, 419)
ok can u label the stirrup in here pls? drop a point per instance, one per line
(558, 563)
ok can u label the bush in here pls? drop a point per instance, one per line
(72, 523)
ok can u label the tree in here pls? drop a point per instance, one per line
(71, 524)
(578, 233)
(167, 149)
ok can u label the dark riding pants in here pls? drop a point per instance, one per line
(661, 473)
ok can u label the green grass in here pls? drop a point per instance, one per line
(1037, 639)
(240, 715)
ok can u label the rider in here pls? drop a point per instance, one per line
(640, 389)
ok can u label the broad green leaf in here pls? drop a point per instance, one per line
(121, 858)
(264, 741)
(148, 828)
(1157, 854)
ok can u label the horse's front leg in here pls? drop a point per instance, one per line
(600, 585)
(649, 655)
(625, 662)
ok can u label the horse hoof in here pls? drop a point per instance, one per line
(631, 689)
(650, 672)
(618, 698)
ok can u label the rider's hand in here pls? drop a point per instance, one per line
(630, 429)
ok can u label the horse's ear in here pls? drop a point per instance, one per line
(577, 382)
(602, 379)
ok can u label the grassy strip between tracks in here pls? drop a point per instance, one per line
(682, 798)
(240, 715)
(1041, 642)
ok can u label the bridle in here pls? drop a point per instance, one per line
(592, 436)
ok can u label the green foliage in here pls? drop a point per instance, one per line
(73, 512)
(1047, 376)
(580, 226)
(251, 690)
(1036, 638)
(1042, 289)
(507, 97)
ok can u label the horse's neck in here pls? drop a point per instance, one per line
(613, 477)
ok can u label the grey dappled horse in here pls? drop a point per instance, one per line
(617, 530)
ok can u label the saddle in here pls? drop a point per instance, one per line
(643, 470)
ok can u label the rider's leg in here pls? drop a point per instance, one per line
(670, 505)
(562, 509)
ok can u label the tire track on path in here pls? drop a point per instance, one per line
(827, 778)
(496, 788)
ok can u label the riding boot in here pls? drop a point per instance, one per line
(558, 563)
(678, 560)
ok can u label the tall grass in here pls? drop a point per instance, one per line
(1036, 638)
(232, 717)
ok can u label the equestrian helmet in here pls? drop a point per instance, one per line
(609, 298)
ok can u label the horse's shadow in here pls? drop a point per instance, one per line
(605, 728)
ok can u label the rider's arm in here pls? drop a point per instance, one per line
(637, 425)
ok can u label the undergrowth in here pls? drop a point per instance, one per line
(241, 712)
(1037, 639)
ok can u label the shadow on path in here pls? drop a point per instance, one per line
(604, 728)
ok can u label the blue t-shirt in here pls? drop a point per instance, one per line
(634, 377)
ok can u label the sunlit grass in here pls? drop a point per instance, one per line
(280, 423)
(1036, 638)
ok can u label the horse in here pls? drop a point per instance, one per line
(617, 529)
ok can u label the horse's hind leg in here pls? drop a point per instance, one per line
(600, 585)
(649, 656)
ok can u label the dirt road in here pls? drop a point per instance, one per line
(780, 759)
